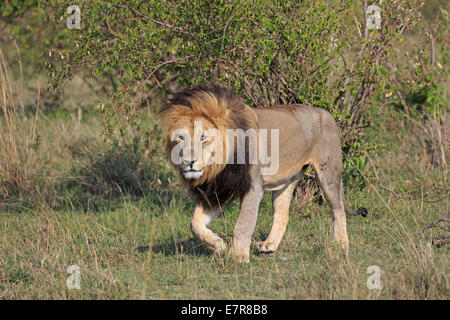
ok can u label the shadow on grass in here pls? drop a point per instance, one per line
(171, 248)
(120, 174)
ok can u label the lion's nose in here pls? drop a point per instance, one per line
(189, 161)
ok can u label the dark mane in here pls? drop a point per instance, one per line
(232, 183)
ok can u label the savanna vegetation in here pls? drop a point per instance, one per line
(84, 178)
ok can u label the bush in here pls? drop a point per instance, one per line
(316, 52)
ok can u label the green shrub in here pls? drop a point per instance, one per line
(270, 52)
(316, 52)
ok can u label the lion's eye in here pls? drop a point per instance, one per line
(180, 138)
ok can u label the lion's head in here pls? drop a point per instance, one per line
(196, 121)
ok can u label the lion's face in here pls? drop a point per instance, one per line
(196, 147)
(198, 121)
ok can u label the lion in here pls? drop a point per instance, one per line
(305, 135)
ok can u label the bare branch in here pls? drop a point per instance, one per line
(435, 223)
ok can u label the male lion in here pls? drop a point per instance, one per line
(304, 135)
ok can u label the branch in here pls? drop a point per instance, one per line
(383, 187)
(139, 14)
(435, 223)
(175, 60)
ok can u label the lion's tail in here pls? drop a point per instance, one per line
(360, 212)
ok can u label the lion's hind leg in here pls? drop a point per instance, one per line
(281, 200)
(202, 217)
(329, 176)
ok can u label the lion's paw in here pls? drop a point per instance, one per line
(342, 241)
(242, 258)
(265, 247)
(216, 245)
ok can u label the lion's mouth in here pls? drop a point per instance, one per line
(192, 173)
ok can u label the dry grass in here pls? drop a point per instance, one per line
(19, 163)
(37, 152)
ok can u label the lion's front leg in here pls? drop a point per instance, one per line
(246, 222)
(202, 217)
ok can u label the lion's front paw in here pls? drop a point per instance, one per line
(266, 247)
(240, 256)
(216, 244)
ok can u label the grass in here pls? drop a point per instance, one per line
(142, 248)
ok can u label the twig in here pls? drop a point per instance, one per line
(164, 24)
(175, 60)
(225, 30)
(402, 196)
(366, 30)
(435, 223)
(437, 200)
(383, 187)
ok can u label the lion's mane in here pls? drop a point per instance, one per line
(221, 182)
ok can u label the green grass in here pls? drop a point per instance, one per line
(132, 239)
(143, 249)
